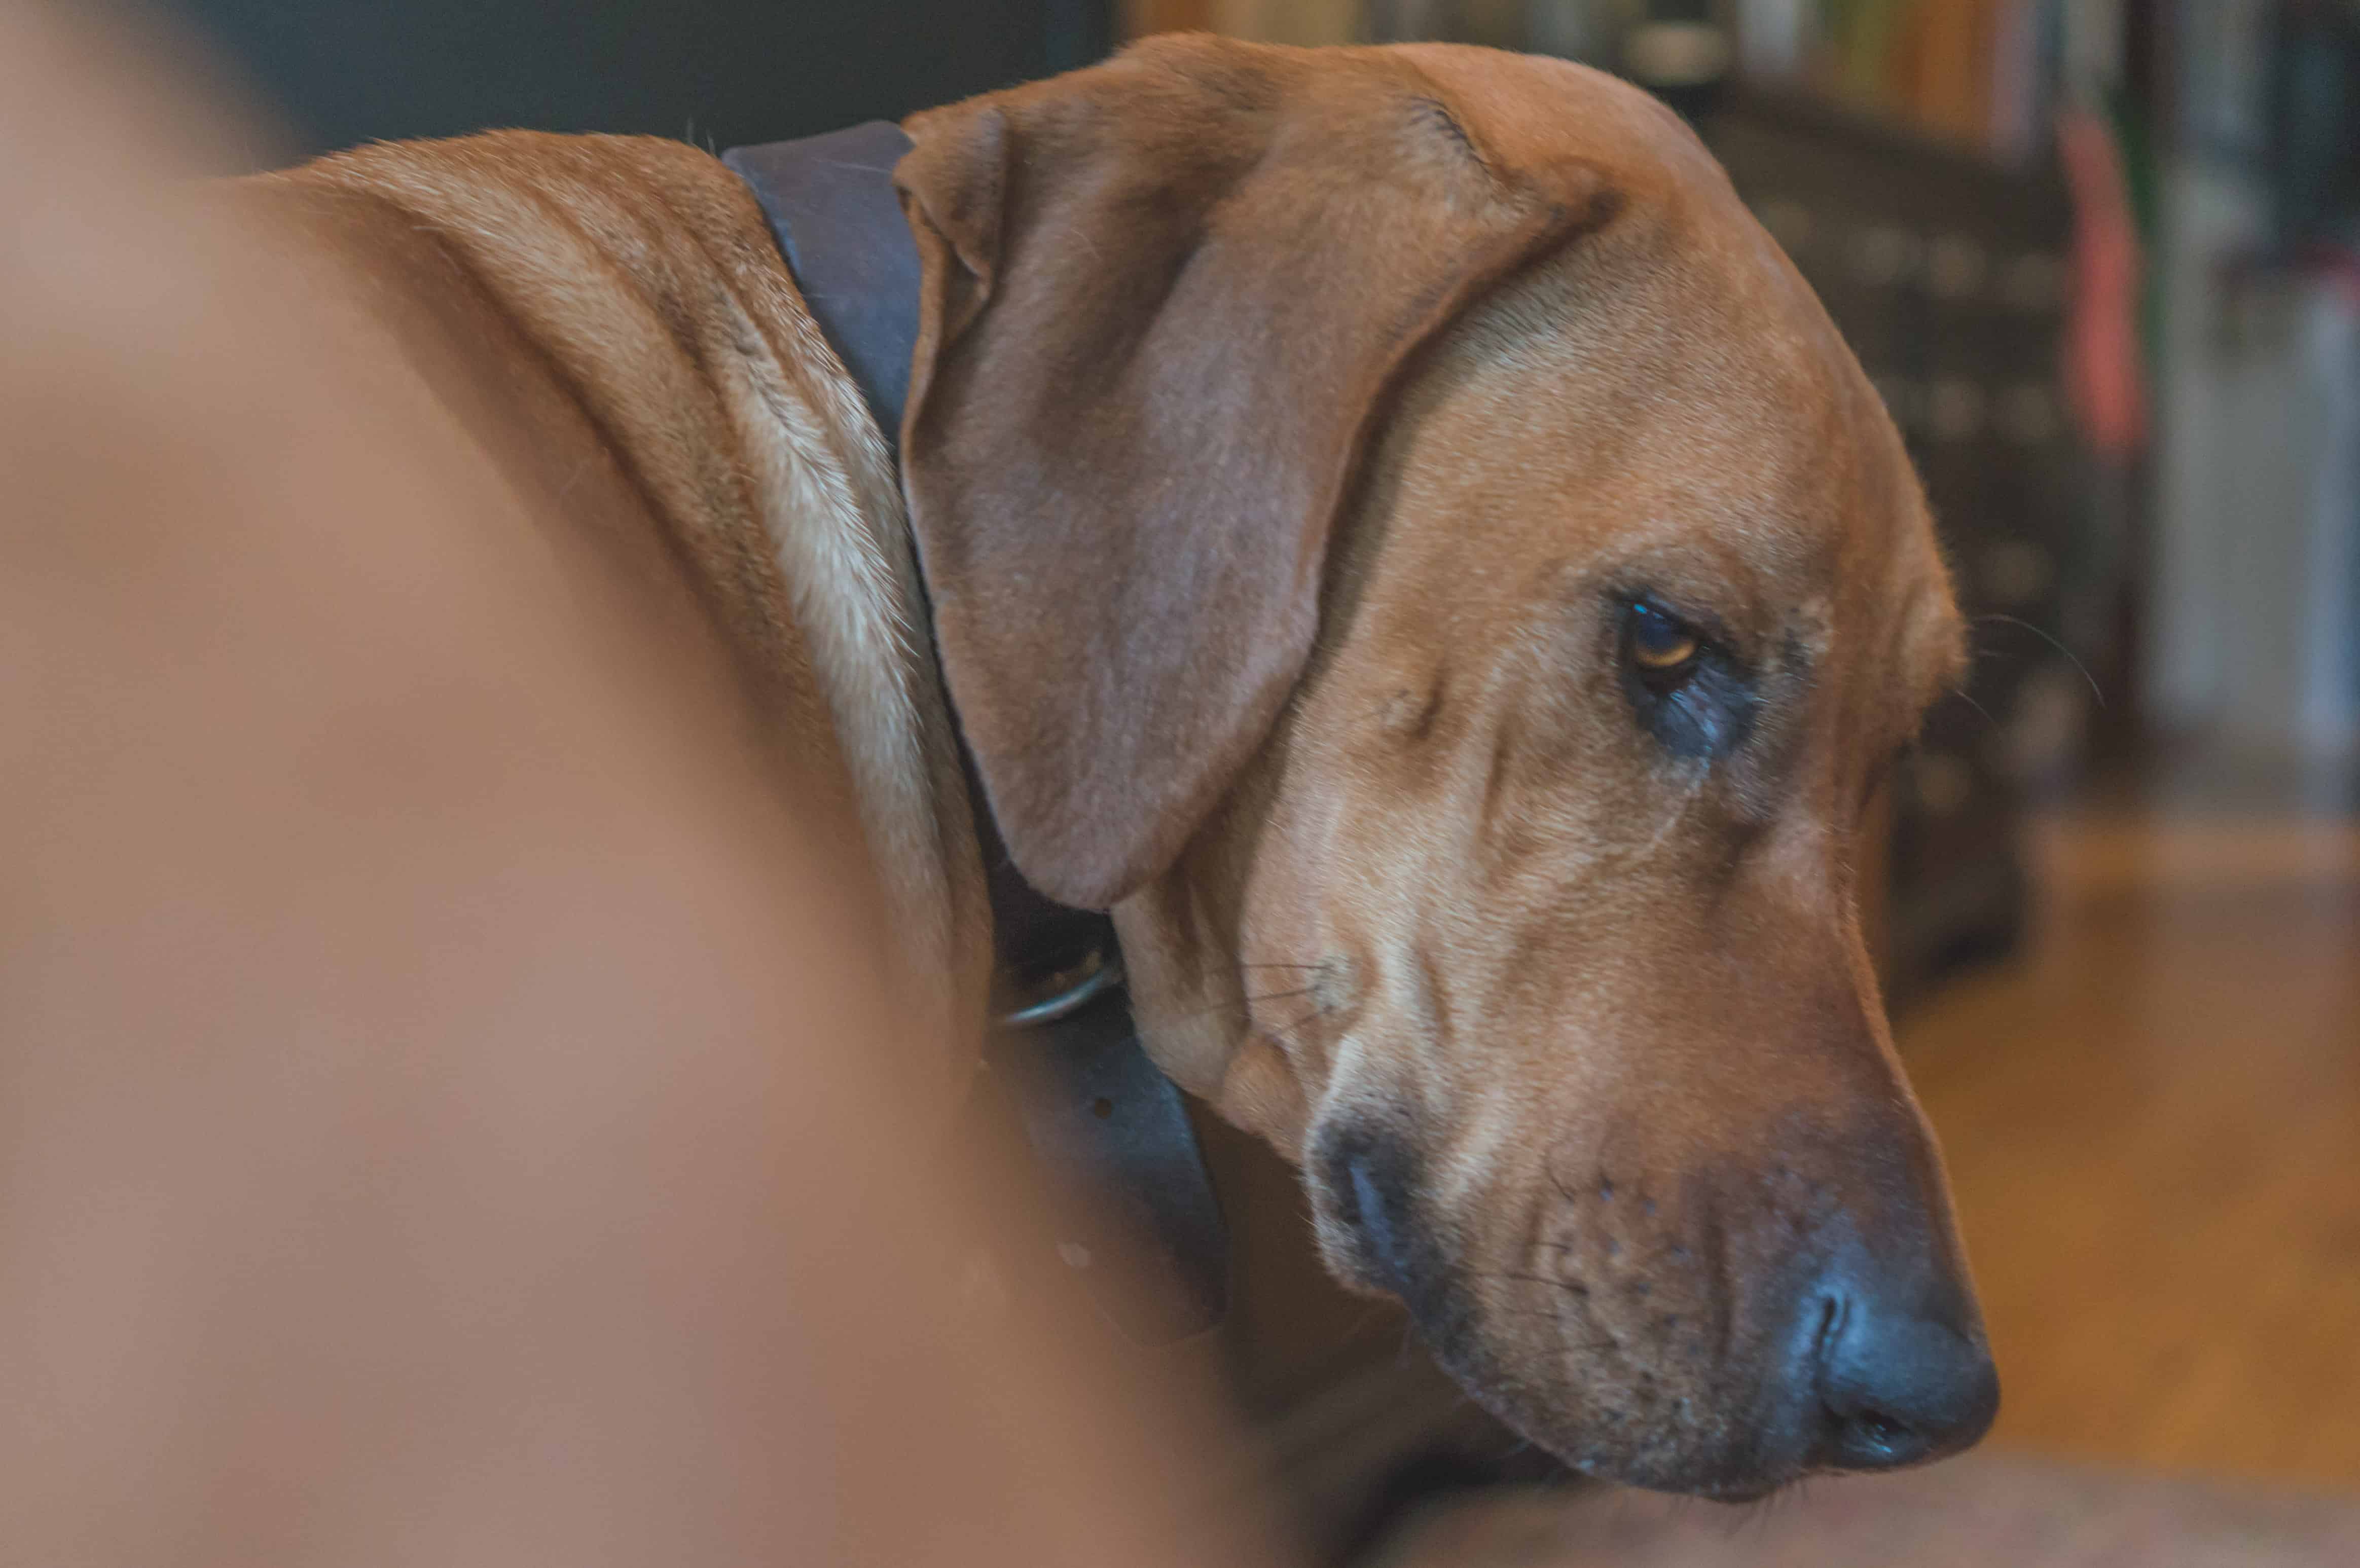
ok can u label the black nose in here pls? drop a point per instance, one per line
(1900, 1386)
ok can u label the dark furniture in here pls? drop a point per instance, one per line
(1948, 275)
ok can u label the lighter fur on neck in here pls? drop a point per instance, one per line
(646, 271)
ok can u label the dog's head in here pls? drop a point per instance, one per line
(1404, 538)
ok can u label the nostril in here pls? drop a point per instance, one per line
(1832, 1325)
(1863, 1438)
(1866, 1439)
(1878, 1430)
(1898, 1388)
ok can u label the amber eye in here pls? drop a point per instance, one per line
(1656, 643)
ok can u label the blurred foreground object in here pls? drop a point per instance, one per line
(448, 1110)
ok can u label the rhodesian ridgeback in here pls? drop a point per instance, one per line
(1388, 526)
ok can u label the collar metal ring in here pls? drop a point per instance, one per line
(1099, 976)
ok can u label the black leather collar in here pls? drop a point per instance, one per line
(837, 219)
(1095, 1110)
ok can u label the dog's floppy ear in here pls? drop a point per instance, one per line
(1163, 299)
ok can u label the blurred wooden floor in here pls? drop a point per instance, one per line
(2153, 1126)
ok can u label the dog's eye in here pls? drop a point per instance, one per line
(1686, 689)
(1657, 645)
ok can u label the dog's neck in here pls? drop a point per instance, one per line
(1091, 1102)
(830, 200)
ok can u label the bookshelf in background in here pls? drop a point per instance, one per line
(1985, 74)
(1982, 74)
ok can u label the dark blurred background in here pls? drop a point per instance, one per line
(2103, 259)
(727, 71)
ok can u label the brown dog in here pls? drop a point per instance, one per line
(1400, 535)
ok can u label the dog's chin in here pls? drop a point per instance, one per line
(1706, 1476)
(1682, 1458)
(1536, 1391)
(1604, 1419)
(1720, 1459)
